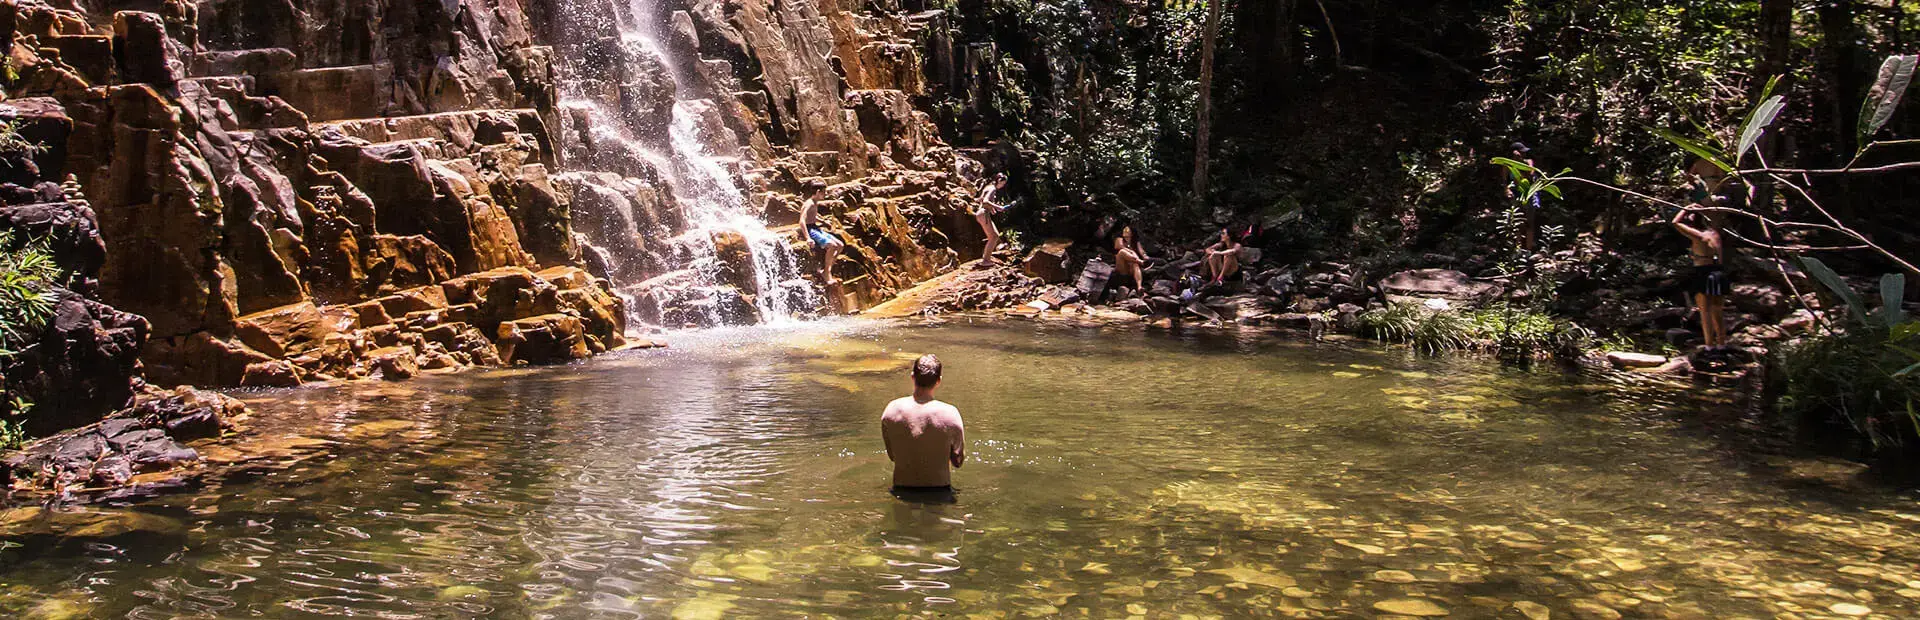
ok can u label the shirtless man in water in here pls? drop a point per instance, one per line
(923, 436)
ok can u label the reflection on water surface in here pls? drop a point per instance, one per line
(1111, 474)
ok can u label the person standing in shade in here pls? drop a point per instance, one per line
(1708, 284)
(984, 212)
(924, 437)
(815, 189)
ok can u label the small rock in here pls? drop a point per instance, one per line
(1394, 576)
(1532, 610)
(1593, 610)
(1411, 607)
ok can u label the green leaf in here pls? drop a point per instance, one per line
(1551, 190)
(1758, 121)
(1832, 280)
(1515, 165)
(1893, 292)
(1896, 73)
(1907, 371)
(1699, 150)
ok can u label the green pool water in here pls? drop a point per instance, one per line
(1113, 473)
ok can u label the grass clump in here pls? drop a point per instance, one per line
(1861, 376)
(1501, 329)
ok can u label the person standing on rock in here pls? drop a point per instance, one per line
(985, 211)
(923, 438)
(1708, 283)
(822, 240)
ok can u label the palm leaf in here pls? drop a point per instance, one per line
(1895, 75)
(1832, 280)
(1893, 292)
(1699, 150)
(1759, 118)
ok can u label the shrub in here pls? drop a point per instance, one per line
(27, 277)
(1501, 329)
(1856, 376)
(1865, 372)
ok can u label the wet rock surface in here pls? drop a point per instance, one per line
(101, 460)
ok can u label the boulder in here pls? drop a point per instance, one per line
(1048, 262)
(545, 338)
(146, 55)
(1763, 300)
(394, 363)
(289, 330)
(406, 261)
(277, 373)
(79, 367)
(1443, 283)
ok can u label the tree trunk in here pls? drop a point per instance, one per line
(1776, 50)
(1203, 125)
(1264, 37)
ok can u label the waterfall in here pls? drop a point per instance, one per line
(613, 97)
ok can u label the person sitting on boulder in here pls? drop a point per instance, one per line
(984, 213)
(815, 189)
(1708, 284)
(1129, 258)
(1223, 258)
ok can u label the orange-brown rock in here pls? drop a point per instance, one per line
(545, 338)
(277, 373)
(292, 329)
(394, 363)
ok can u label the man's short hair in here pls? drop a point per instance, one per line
(811, 186)
(926, 371)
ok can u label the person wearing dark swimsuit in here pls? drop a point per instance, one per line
(1708, 283)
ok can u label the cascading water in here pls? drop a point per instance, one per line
(710, 210)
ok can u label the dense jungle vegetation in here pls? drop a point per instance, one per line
(1366, 127)
(1364, 132)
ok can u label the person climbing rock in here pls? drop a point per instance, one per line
(1223, 258)
(923, 438)
(815, 189)
(1708, 284)
(984, 212)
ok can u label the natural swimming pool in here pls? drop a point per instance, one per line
(1111, 473)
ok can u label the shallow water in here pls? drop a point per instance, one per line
(1111, 474)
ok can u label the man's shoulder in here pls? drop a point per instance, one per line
(945, 410)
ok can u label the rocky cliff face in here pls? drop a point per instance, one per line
(301, 190)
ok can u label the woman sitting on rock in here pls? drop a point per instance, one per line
(1223, 258)
(1129, 258)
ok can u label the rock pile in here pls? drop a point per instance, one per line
(147, 437)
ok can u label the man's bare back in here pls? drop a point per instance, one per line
(923, 439)
(923, 436)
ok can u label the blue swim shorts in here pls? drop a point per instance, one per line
(821, 238)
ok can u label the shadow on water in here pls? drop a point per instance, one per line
(1111, 473)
